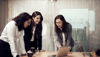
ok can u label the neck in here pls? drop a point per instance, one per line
(60, 28)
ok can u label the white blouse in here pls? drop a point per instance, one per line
(14, 37)
(32, 39)
(63, 39)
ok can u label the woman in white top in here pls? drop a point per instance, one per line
(11, 40)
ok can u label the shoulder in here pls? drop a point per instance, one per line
(68, 25)
(11, 24)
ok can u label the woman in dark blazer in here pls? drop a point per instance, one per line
(33, 34)
(63, 32)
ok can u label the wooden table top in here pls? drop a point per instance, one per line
(73, 54)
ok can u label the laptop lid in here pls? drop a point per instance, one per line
(63, 51)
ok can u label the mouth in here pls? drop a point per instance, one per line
(37, 22)
(59, 26)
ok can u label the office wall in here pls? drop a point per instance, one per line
(3, 13)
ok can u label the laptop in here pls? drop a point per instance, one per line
(62, 52)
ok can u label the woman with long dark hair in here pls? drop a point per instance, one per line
(11, 40)
(63, 32)
(33, 34)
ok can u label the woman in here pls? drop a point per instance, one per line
(11, 40)
(63, 32)
(33, 34)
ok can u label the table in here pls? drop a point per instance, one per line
(73, 54)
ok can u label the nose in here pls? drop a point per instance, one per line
(58, 24)
(28, 24)
(37, 20)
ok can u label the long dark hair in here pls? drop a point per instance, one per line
(20, 19)
(38, 26)
(38, 13)
(64, 24)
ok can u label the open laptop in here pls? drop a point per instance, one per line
(62, 52)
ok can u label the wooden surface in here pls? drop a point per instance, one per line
(73, 54)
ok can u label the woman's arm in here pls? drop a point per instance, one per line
(70, 41)
(22, 44)
(56, 41)
(11, 31)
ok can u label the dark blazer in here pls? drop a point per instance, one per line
(37, 37)
(27, 37)
(68, 37)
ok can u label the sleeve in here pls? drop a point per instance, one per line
(21, 42)
(11, 31)
(56, 41)
(70, 41)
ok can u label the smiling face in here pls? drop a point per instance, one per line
(27, 23)
(36, 19)
(59, 23)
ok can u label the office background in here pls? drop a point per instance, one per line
(84, 15)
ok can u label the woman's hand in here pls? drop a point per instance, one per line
(23, 55)
(59, 46)
(69, 47)
(42, 50)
